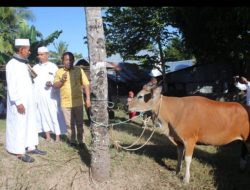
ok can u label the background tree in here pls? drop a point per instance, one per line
(10, 17)
(60, 48)
(14, 25)
(77, 56)
(129, 30)
(36, 39)
(176, 50)
(215, 35)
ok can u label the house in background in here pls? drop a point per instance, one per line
(122, 77)
(183, 78)
(214, 81)
(128, 77)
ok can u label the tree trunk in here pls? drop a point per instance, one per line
(163, 65)
(100, 157)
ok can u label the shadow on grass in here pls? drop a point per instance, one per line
(225, 162)
(85, 155)
(163, 148)
(82, 150)
(227, 173)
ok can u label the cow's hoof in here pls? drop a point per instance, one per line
(186, 180)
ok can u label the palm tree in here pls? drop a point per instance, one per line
(77, 56)
(60, 48)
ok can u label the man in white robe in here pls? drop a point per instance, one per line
(49, 113)
(21, 132)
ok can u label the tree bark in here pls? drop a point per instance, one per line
(100, 157)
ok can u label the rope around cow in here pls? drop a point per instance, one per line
(145, 126)
(116, 142)
(145, 121)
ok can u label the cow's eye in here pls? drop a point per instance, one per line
(140, 97)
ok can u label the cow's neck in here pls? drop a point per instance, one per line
(156, 109)
(162, 109)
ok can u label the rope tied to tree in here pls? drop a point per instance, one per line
(145, 122)
(113, 124)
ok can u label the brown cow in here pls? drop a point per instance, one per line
(194, 119)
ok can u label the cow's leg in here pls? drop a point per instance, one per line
(180, 154)
(244, 153)
(188, 158)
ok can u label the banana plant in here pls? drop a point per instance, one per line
(36, 39)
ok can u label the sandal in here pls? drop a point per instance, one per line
(26, 158)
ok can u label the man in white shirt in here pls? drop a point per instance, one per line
(21, 131)
(49, 113)
(244, 84)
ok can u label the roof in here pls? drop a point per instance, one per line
(173, 66)
(128, 72)
(85, 62)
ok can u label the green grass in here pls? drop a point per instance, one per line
(2, 125)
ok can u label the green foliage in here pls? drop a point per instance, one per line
(2, 91)
(5, 49)
(55, 56)
(60, 48)
(36, 38)
(215, 35)
(14, 24)
(9, 18)
(129, 30)
(177, 50)
(11, 22)
(77, 56)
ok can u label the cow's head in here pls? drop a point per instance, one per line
(146, 99)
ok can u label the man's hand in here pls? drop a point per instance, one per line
(64, 77)
(49, 84)
(88, 103)
(20, 109)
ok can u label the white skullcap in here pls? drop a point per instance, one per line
(42, 50)
(22, 42)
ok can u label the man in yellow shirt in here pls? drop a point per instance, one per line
(70, 80)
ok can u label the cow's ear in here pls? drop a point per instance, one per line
(157, 91)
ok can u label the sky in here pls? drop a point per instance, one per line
(71, 20)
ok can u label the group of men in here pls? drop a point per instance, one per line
(42, 99)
